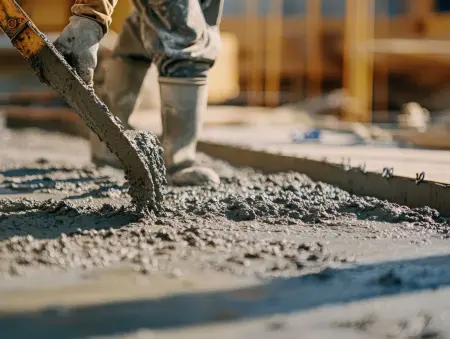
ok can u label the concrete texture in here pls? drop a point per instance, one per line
(258, 256)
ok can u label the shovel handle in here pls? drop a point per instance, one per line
(19, 28)
(12, 18)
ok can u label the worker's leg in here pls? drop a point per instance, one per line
(184, 39)
(124, 75)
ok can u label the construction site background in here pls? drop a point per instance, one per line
(358, 60)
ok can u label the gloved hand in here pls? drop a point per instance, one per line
(79, 44)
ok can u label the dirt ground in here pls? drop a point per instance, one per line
(259, 255)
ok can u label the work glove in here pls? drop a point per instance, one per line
(79, 44)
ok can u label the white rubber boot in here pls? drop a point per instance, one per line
(183, 106)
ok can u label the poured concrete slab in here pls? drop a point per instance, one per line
(393, 282)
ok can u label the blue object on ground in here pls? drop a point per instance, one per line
(313, 134)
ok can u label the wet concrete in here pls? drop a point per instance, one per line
(139, 152)
(243, 226)
(311, 246)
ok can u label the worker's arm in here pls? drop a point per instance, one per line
(99, 10)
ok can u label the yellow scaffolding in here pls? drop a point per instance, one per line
(358, 60)
(273, 52)
(314, 55)
(361, 47)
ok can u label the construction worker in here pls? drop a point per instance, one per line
(181, 37)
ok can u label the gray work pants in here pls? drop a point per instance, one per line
(181, 37)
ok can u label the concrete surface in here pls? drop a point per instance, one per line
(387, 279)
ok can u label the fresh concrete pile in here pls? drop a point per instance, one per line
(250, 224)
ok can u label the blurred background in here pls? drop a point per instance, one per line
(383, 62)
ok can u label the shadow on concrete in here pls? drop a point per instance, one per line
(20, 181)
(33, 185)
(100, 192)
(275, 297)
(30, 171)
(49, 224)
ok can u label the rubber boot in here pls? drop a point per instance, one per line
(120, 91)
(183, 106)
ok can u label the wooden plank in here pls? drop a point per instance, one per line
(407, 46)
(29, 97)
(406, 162)
(40, 113)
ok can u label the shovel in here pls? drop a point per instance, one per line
(139, 152)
